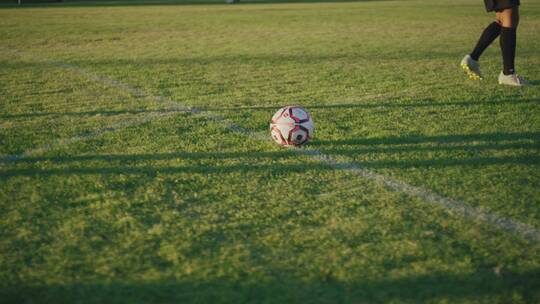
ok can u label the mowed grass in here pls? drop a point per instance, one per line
(121, 198)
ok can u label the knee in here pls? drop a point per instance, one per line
(508, 18)
(507, 24)
(499, 18)
(510, 24)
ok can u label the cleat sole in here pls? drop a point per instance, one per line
(472, 75)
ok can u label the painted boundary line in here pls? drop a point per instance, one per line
(454, 206)
(173, 107)
(457, 207)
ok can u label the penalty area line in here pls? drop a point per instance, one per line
(458, 207)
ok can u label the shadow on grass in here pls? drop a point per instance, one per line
(482, 285)
(232, 60)
(528, 143)
(97, 3)
(272, 168)
(440, 139)
(89, 113)
(361, 105)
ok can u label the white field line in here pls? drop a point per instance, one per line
(172, 107)
(454, 206)
(457, 207)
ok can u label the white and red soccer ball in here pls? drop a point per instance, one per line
(291, 126)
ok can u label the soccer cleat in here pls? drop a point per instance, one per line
(513, 80)
(471, 67)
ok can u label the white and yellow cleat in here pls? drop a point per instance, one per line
(513, 80)
(471, 67)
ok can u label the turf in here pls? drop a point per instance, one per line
(121, 198)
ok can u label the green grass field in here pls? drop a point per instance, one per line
(111, 194)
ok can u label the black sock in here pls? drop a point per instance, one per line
(508, 49)
(491, 33)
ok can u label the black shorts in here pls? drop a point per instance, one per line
(499, 5)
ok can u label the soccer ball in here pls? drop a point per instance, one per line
(291, 126)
